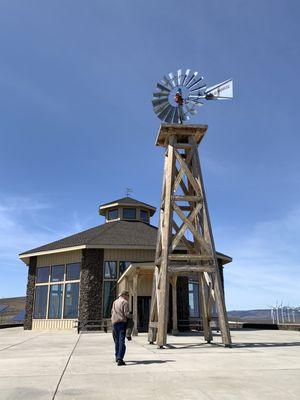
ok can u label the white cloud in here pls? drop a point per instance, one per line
(22, 228)
(266, 264)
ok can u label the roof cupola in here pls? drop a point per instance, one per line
(127, 209)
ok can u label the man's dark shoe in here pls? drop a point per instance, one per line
(121, 362)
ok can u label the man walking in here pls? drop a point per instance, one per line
(119, 315)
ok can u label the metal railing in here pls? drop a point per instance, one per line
(196, 324)
(93, 325)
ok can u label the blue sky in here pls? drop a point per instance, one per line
(77, 126)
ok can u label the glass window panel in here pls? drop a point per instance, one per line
(40, 301)
(194, 300)
(71, 300)
(110, 270)
(42, 275)
(112, 214)
(57, 273)
(109, 296)
(73, 271)
(123, 265)
(129, 213)
(55, 301)
(144, 216)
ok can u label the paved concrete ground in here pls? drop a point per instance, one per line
(62, 365)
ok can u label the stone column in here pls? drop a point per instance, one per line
(91, 285)
(30, 293)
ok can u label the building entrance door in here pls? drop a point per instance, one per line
(143, 303)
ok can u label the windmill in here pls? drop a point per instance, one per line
(178, 96)
(185, 242)
(272, 309)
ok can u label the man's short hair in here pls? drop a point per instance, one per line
(124, 293)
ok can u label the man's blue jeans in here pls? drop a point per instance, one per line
(119, 334)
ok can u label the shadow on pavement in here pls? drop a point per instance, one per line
(234, 345)
(268, 344)
(145, 362)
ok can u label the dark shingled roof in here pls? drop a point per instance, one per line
(131, 201)
(117, 233)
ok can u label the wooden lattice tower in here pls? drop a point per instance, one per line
(185, 242)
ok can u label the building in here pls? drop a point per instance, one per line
(79, 276)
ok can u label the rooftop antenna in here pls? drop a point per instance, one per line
(178, 96)
(128, 191)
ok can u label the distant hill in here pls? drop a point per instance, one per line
(12, 310)
(259, 316)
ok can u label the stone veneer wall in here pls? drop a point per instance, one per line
(30, 293)
(91, 284)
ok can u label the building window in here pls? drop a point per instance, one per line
(112, 214)
(194, 300)
(71, 300)
(144, 216)
(129, 213)
(109, 295)
(110, 270)
(58, 298)
(73, 272)
(57, 273)
(123, 265)
(42, 275)
(40, 301)
(55, 301)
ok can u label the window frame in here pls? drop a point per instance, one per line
(129, 208)
(64, 273)
(64, 298)
(122, 261)
(113, 281)
(147, 214)
(117, 270)
(34, 300)
(49, 284)
(112, 219)
(49, 273)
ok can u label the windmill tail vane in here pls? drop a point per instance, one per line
(178, 96)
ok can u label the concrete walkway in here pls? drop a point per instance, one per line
(262, 365)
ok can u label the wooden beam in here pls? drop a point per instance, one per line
(204, 310)
(194, 231)
(190, 268)
(135, 309)
(166, 238)
(185, 146)
(184, 240)
(181, 172)
(188, 173)
(184, 227)
(196, 257)
(173, 281)
(219, 297)
(194, 199)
